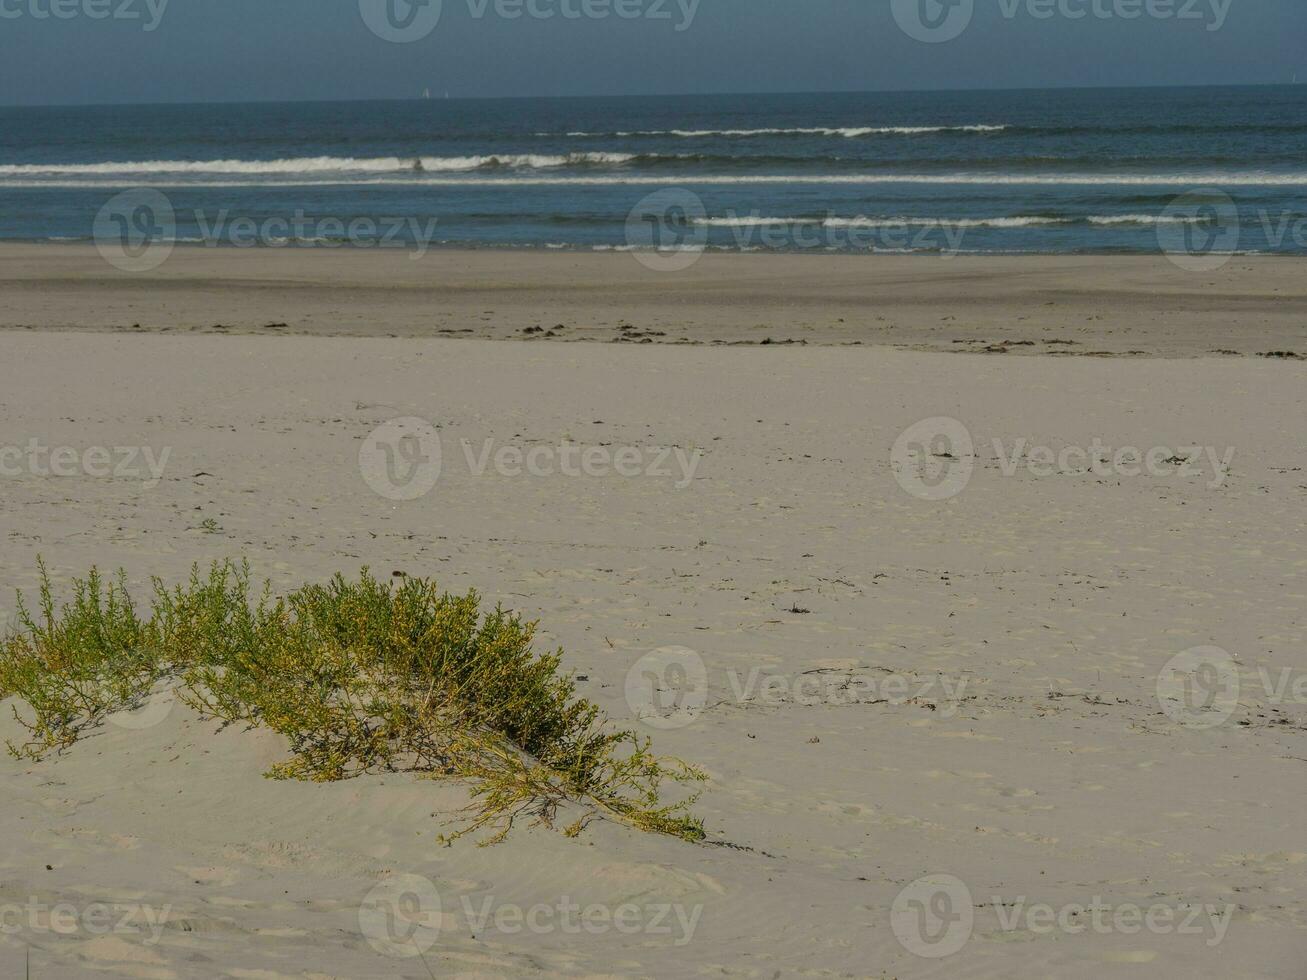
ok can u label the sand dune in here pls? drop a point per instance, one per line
(964, 687)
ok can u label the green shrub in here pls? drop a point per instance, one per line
(72, 669)
(359, 677)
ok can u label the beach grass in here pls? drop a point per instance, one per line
(360, 677)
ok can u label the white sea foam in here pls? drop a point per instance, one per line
(1107, 180)
(1006, 221)
(1183, 180)
(752, 221)
(848, 132)
(1015, 221)
(1144, 219)
(310, 165)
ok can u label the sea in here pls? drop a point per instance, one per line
(1108, 170)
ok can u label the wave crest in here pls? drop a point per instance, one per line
(314, 165)
(1002, 221)
(848, 132)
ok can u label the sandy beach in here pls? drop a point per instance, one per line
(1130, 305)
(651, 490)
(925, 669)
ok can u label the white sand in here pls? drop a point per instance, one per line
(1055, 600)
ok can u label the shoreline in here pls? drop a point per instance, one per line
(1055, 305)
(405, 248)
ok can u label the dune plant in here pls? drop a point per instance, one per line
(359, 676)
(72, 667)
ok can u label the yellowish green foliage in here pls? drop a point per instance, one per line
(360, 677)
(92, 658)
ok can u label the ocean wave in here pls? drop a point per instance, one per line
(733, 247)
(1036, 163)
(1186, 181)
(314, 165)
(720, 169)
(1015, 221)
(753, 221)
(1180, 181)
(855, 132)
(964, 169)
(1003, 221)
(1161, 129)
(848, 132)
(1144, 219)
(1142, 180)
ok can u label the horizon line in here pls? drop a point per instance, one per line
(676, 95)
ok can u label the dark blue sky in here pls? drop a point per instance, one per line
(237, 50)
